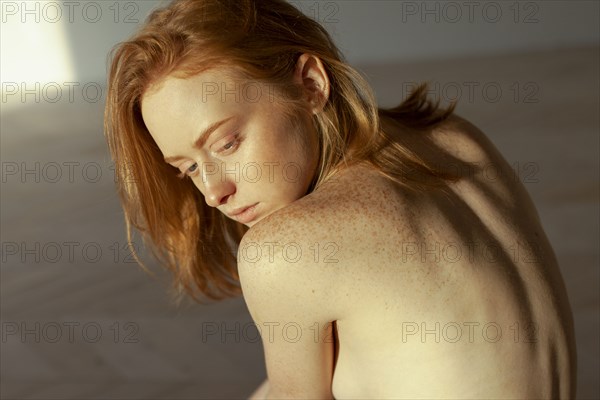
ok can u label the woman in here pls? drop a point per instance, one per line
(376, 256)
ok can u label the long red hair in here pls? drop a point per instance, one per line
(262, 40)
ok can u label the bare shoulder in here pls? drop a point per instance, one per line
(327, 236)
(464, 140)
(491, 169)
(347, 207)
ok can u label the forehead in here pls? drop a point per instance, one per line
(177, 93)
(186, 103)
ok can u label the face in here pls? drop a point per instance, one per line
(245, 156)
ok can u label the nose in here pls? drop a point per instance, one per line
(217, 189)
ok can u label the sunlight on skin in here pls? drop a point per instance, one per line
(255, 158)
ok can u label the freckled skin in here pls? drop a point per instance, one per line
(432, 296)
(419, 321)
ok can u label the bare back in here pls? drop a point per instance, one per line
(441, 296)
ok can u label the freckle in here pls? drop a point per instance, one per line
(313, 290)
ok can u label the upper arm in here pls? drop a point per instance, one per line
(287, 299)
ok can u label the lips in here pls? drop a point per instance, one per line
(244, 214)
(240, 210)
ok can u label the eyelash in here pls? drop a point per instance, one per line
(235, 143)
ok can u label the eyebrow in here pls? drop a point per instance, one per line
(202, 138)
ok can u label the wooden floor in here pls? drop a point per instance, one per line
(81, 321)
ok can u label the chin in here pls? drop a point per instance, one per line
(254, 222)
(266, 214)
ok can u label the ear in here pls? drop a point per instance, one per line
(311, 74)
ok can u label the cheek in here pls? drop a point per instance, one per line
(287, 161)
(306, 166)
(198, 184)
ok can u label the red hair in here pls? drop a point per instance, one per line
(260, 41)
